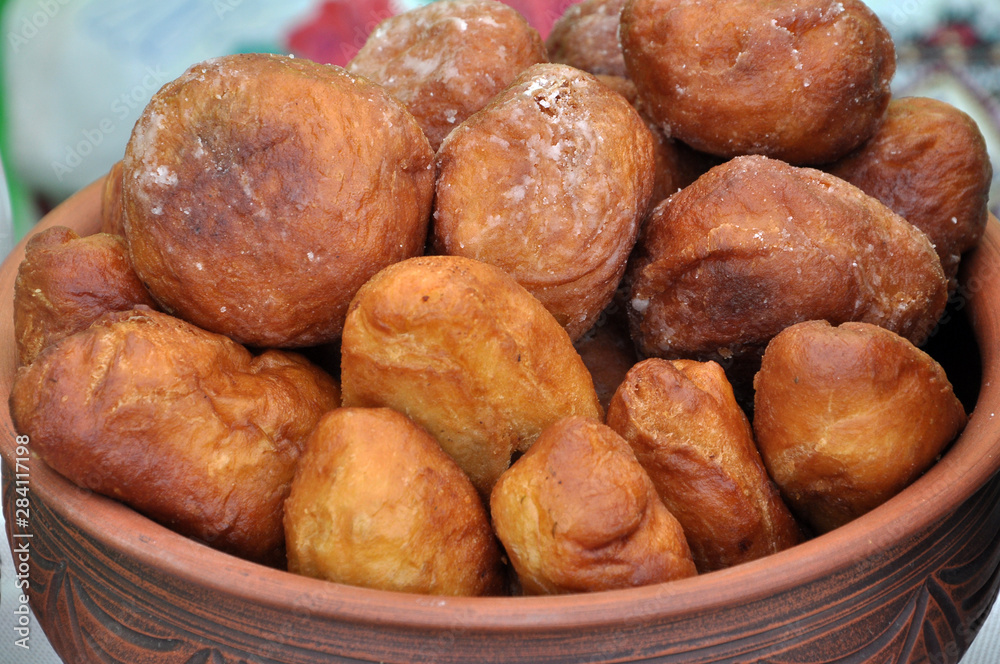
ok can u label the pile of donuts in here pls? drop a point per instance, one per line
(485, 314)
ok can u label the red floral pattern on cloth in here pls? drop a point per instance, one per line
(338, 30)
(541, 14)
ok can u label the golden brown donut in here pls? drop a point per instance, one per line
(112, 215)
(805, 81)
(468, 354)
(549, 182)
(66, 282)
(848, 416)
(577, 513)
(928, 163)
(261, 191)
(586, 37)
(376, 502)
(686, 429)
(447, 59)
(756, 245)
(185, 426)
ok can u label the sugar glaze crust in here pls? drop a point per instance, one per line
(447, 59)
(550, 183)
(586, 37)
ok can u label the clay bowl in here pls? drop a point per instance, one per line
(911, 581)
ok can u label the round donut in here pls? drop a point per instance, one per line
(446, 60)
(846, 417)
(804, 81)
(586, 37)
(261, 191)
(683, 423)
(577, 513)
(928, 163)
(549, 183)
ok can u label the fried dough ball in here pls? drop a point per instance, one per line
(468, 354)
(805, 81)
(577, 513)
(549, 182)
(66, 282)
(928, 163)
(262, 191)
(447, 59)
(586, 37)
(112, 215)
(756, 245)
(687, 430)
(185, 426)
(846, 417)
(377, 503)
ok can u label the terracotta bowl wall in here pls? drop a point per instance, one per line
(911, 581)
